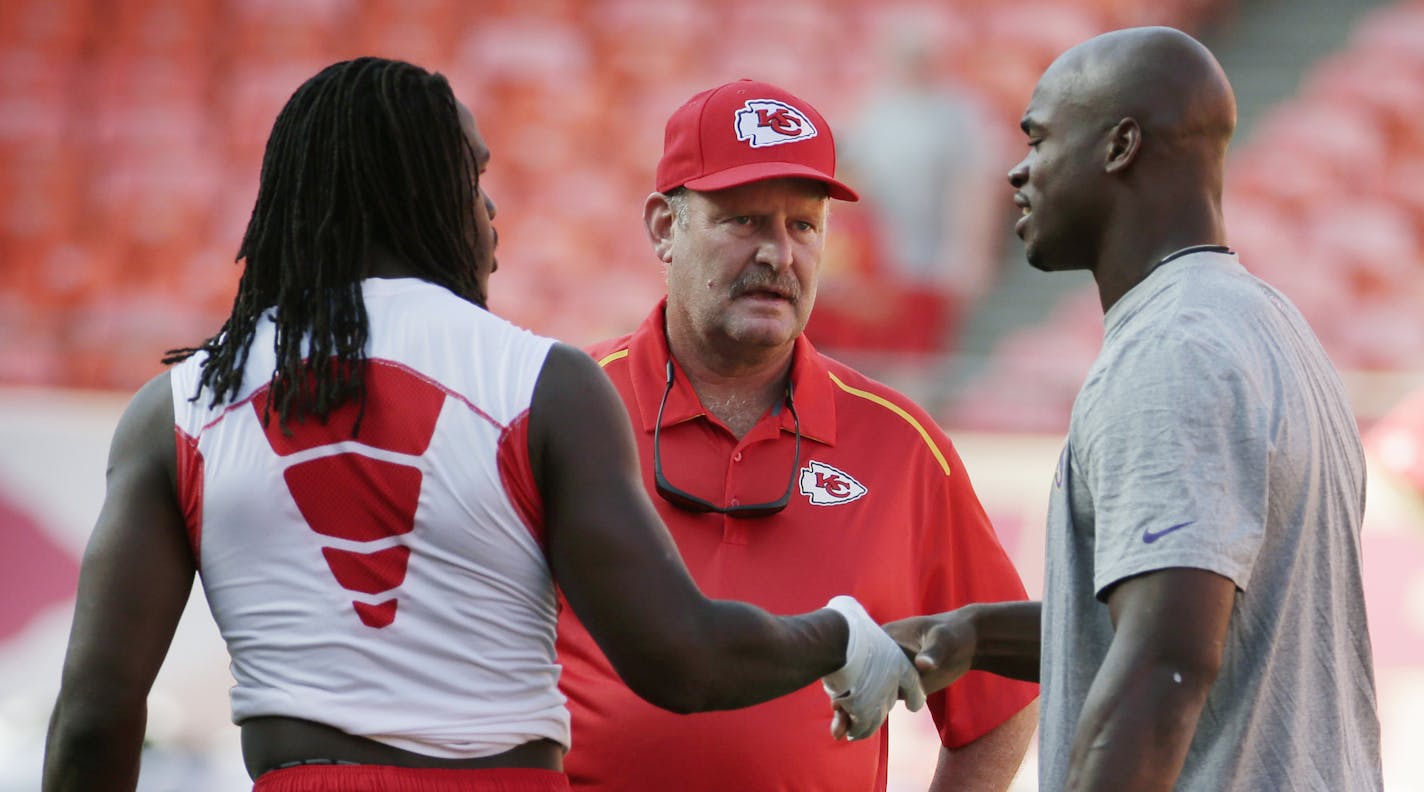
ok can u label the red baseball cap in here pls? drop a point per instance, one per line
(747, 131)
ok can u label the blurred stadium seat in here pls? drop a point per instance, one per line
(60, 26)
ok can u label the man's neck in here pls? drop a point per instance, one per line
(380, 263)
(1129, 257)
(737, 388)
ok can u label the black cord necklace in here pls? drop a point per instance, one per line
(1187, 251)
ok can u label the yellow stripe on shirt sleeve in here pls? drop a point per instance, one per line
(612, 356)
(892, 407)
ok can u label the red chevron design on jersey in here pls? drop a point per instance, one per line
(368, 573)
(350, 495)
(401, 408)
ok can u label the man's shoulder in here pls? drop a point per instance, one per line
(612, 356)
(611, 350)
(862, 401)
(860, 391)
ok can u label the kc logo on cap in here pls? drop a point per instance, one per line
(767, 122)
(736, 133)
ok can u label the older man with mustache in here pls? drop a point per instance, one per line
(784, 476)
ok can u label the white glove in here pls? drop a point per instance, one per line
(875, 674)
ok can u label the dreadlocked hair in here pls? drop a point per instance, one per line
(368, 155)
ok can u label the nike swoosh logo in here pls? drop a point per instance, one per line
(1149, 536)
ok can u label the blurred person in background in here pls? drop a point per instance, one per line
(923, 159)
(781, 474)
(1203, 624)
(380, 483)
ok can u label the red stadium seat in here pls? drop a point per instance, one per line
(1377, 87)
(1373, 243)
(252, 95)
(1405, 189)
(425, 32)
(1287, 177)
(175, 29)
(526, 49)
(35, 90)
(651, 41)
(58, 26)
(267, 30)
(1043, 30)
(31, 351)
(1380, 335)
(145, 102)
(1349, 144)
(40, 191)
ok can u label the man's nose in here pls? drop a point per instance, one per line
(775, 248)
(1018, 177)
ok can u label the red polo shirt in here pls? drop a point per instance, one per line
(881, 509)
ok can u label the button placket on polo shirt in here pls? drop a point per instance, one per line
(765, 439)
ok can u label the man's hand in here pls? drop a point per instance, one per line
(875, 674)
(998, 637)
(942, 646)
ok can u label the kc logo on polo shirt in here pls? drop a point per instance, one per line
(827, 486)
(767, 122)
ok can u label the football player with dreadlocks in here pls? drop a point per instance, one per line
(379, 483)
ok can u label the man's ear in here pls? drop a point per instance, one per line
(659, 218)
(1124, 142)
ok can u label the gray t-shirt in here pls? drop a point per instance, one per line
(1212, 432)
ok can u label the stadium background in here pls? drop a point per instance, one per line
(131, 135)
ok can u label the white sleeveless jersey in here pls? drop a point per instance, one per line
(394, 585)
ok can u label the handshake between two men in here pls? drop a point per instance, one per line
(911, 658)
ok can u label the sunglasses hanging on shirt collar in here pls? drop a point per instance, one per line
(688, 502)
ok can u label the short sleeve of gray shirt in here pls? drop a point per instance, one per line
(1176, 456)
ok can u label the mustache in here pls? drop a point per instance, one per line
(756, 280)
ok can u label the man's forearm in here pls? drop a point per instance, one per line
(1135, 730)
(1002, 638)
(101, 754)
(1008, 638)
(748, 656)
(990, 763)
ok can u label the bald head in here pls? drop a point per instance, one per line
(1127, 138)
(1164, 79)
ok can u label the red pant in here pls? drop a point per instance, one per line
(382, 778)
